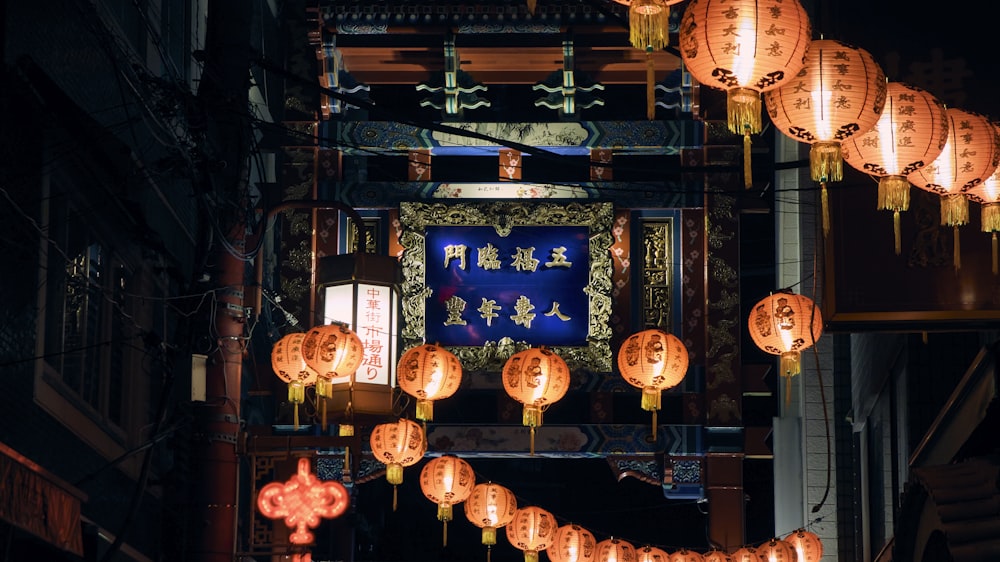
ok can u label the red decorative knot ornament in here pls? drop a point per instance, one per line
(302, 501)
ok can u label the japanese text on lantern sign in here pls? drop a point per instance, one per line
(373, 323)
(528, 285)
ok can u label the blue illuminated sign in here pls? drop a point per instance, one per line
(528, 286)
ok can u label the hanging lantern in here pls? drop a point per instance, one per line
(715, 555)
(397, 445)
(428, 372)
(685, 555)
(777, 550)
(840, 92)
(615, 550)
(910, 133)
(290, 366)
(807, 546)
(302, 501)
(987, 194)
(652, 360)
(447, 480)
(572, 543)
(490, 506)
(784, 324)
(745, 47)
(746, 554)
(651, 554)
(335, 352)
(649, 31)
(537, 378)
(969, 158)
(531, 530)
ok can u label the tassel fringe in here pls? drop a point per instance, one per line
(826, 208)
(649, 24)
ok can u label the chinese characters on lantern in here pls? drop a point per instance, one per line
(487, 286)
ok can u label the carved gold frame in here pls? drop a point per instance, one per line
(414, 219)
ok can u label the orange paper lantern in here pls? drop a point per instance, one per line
(531, 530)
(839, 93)
(291, 367)
(397, 445)
(490, 506)
(302, 501)
(572, 543)
(651, 554)
(910, 133)
(652, 360)
(447, 480)
(428, 372)
(777, 550)
(745, 47)
(746, 554)
(335, 352)
(536, 377)
(685, 555)
(969, 158)
(784, 324)
(987, 194)
(807, 546)
(717, 556)
(615, 550)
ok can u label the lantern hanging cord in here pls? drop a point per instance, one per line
(822, 396)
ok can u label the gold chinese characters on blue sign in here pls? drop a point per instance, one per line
(528, 285)
(486, 280)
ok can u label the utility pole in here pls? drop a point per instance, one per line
(223, 95)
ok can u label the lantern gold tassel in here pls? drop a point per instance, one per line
(825, 198)
(991, 223)
(957, 261)
(296, 395)
(747, 171)
(994, 240)
(896, 234)
(648, 24)
(826, 163)
(743, 108)
(531, 6)
(894, 195)
(650, 85)
(651, 401)
(955, 212)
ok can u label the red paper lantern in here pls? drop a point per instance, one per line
(397, 445)
(572, 543)
(447, 480)
(910, 133)
(839, 93)
(969, 158)
(744, 47)
(652, 360)
(302, 501)
(490, 506)
(428, 372)
(536, 377)
(532, 530)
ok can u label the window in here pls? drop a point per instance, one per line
(91, 343)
